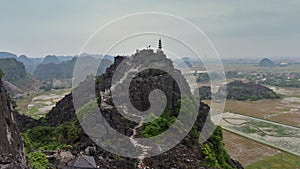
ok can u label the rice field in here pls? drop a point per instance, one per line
(280, 136)
(40, 103)
(285, 111)
(244, 150)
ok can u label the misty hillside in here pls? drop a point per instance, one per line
(64, 70)
(16, 78)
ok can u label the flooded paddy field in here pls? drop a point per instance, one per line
(40, 103)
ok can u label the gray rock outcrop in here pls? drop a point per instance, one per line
(11, 144)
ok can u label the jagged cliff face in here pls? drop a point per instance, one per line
(11, 144)
(186, 154)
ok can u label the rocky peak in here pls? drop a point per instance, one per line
(11, 144)
(187, 154)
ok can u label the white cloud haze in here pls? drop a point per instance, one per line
(237, 28)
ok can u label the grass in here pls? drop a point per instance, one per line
(32, 111)
(275, 129)
(247, 129)
(269, 128)
(278, 161)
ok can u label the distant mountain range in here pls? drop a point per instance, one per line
(64, 70)
(23, 74)
(7, 55)
(32, 63)
(187, 62)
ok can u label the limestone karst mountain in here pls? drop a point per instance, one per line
(266, 62)
(238, 90)
(7, 55)
(30, 63)
(188, 153)
(64, 69)
(16, 79)
(11, 144)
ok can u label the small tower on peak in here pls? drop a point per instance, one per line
(159, 44)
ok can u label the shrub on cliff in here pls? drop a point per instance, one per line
(37, 160)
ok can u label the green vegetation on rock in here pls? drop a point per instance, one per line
(159, 125)
(51, 138)
(215, 153)
(237, 90)
(249, 91)
(37, 160)
(210, 158)
(166, 119)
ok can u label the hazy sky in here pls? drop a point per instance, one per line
(254, 28)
